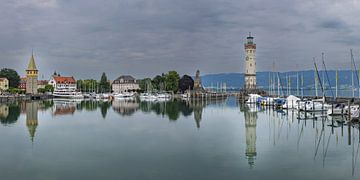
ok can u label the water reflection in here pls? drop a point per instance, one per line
(125, 107)
(295, 138)
(61, 108)
(250, 114)
(9, 113)
(32, 118)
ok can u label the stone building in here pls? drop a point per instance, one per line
(250, 63)
(125, 84)
(40, 83)
(197, 82)
(4, 84)
(31, 77)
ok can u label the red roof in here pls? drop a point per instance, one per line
(64, 80)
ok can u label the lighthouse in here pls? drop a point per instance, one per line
(250, 63)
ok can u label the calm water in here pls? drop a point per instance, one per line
(173, 140)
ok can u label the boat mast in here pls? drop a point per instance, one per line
(327, 76)
(337, 80)
(273, 79)
(297, 83)
(318, 76)
(352, 74)
(289, 85)
(315, 83)
(302, 84)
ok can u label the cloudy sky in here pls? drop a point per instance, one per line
(147, 37)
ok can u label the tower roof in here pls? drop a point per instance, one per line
(32, 131)
(32, 65)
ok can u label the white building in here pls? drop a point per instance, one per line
(250, 63)
(125, 84)
(60, 82)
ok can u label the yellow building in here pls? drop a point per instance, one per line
(32, 77)
(4, 111)
(4, 84)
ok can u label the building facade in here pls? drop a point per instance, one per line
(125, 84)
(4, 84)
(40, 83)
(250, 63)
(64, 83)
(31, 77)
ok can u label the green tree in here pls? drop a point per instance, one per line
(104, 83)
(88, 85)
(143, 83)
(49, 88)
(12, 76)
(159, 82)
(172, 81)
(185, 83)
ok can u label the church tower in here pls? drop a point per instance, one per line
(31, 77)
(250, 63)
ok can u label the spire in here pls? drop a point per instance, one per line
(32, 131)
(32, 65)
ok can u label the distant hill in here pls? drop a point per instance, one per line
(236, 80)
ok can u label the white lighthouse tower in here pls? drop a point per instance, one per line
(250, 63)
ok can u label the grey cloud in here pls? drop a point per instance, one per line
(148, 37)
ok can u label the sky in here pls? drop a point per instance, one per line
(143, 38)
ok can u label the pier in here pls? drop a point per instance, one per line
(14, 98)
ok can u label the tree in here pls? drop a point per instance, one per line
(172, 81)
(158, 82)
(12, 76)
(185, 83)
(49, 88)
(143, 83)
(104, 83)
(88, 85)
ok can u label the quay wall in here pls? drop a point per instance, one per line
(14, 98)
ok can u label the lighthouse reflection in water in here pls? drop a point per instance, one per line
(197, 139)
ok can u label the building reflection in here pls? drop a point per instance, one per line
(9, 113)
(125, 107)
(250, 114)
(197, 107)
(32, 118)
(61, 108)
(4, 111)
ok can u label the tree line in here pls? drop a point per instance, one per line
(170, 82)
